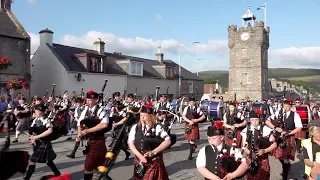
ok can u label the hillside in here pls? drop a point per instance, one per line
(309, 78)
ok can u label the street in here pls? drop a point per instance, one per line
(175, 158)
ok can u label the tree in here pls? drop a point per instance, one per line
(209, 81)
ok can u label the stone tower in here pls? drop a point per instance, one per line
(248, 69)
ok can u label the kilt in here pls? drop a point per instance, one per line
(302, 134)
(288, 152)
(194, 135)
(155, 169)
(263, 169)
(238, 137)
(96, 154)
(43, 153)
(60, 121)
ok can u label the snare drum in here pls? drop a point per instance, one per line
(304, 116)
(214, 109)
(204, 106)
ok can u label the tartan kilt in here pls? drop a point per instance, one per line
(194, 135)
(43, 153)
(60, 121)
(302, 134)
(287, 153)
(263, 169)
(96, 154)
(230, 141)
(155, 169)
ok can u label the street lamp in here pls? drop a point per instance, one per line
(264, 7)
(198, 67)
(180, 65)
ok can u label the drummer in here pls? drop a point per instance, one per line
(311, 150)
(233, 126)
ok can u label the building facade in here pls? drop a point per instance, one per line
(15, 46)
(72, 68)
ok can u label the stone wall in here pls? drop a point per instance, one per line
(18, 52)
(248, 69)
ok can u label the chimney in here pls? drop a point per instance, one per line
(99, 46)
(46, 36)
(5, 4)
(159, 55)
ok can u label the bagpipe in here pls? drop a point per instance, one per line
(173, 137)
(115, 148)
(12, 162)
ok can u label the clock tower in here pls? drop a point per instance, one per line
(248, 53)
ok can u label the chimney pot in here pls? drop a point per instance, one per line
(99, 46)
(46, 36)
(5, 4)
(159, 55)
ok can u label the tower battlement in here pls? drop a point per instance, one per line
(257, 25)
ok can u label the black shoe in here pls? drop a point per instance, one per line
(15, 141)
(71, 156)
(127, 155)
(69, 138)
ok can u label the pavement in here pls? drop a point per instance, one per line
(175, 158)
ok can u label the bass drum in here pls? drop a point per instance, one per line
(204, 106)
(304, 115)
(214, 111)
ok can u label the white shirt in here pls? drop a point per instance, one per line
(46, 122)
(297, 119)
(132, 134)
(192, 108)
(167, 106)
(102, 114)
(201, 158)
(265, 132)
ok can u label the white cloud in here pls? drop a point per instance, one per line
(159, 17)
(293, 57)
(31, 1)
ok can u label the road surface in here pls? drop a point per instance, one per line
(178, 167)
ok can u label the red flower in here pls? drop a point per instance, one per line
(222, 170)
(91, 92)
(218, 124)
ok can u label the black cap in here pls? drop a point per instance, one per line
(192, 99)
(130, 96)
(216, 129)
(253, 114)
(314, 123)
(92, 95)
(163, 95)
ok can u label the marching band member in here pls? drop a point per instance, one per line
(96, 144)
(291, 124)
(233, 124)
(210, 158)
(144, 142)
(315, 112)
(259, 136)
(43, 152)
(80, 107)
(192, 115)
(22, 112)
(311, 149)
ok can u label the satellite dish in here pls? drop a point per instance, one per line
(79, 77)
(27, 76)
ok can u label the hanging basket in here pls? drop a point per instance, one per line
(4, 63)
(17, 84)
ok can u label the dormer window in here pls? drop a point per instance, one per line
(136, 68)
(169, 73)
(96, 64)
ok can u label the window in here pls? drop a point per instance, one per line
(136, 68)
(96, 64)
(190, 85)
(244, 79)
(169, 73)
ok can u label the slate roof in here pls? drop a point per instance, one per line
(8, 27)
(65, 55)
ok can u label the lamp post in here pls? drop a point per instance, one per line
(198, 68)
(264, 7)
(180, 65)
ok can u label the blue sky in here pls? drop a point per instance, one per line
(138, 27)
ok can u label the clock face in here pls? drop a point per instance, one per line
(244, 36)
